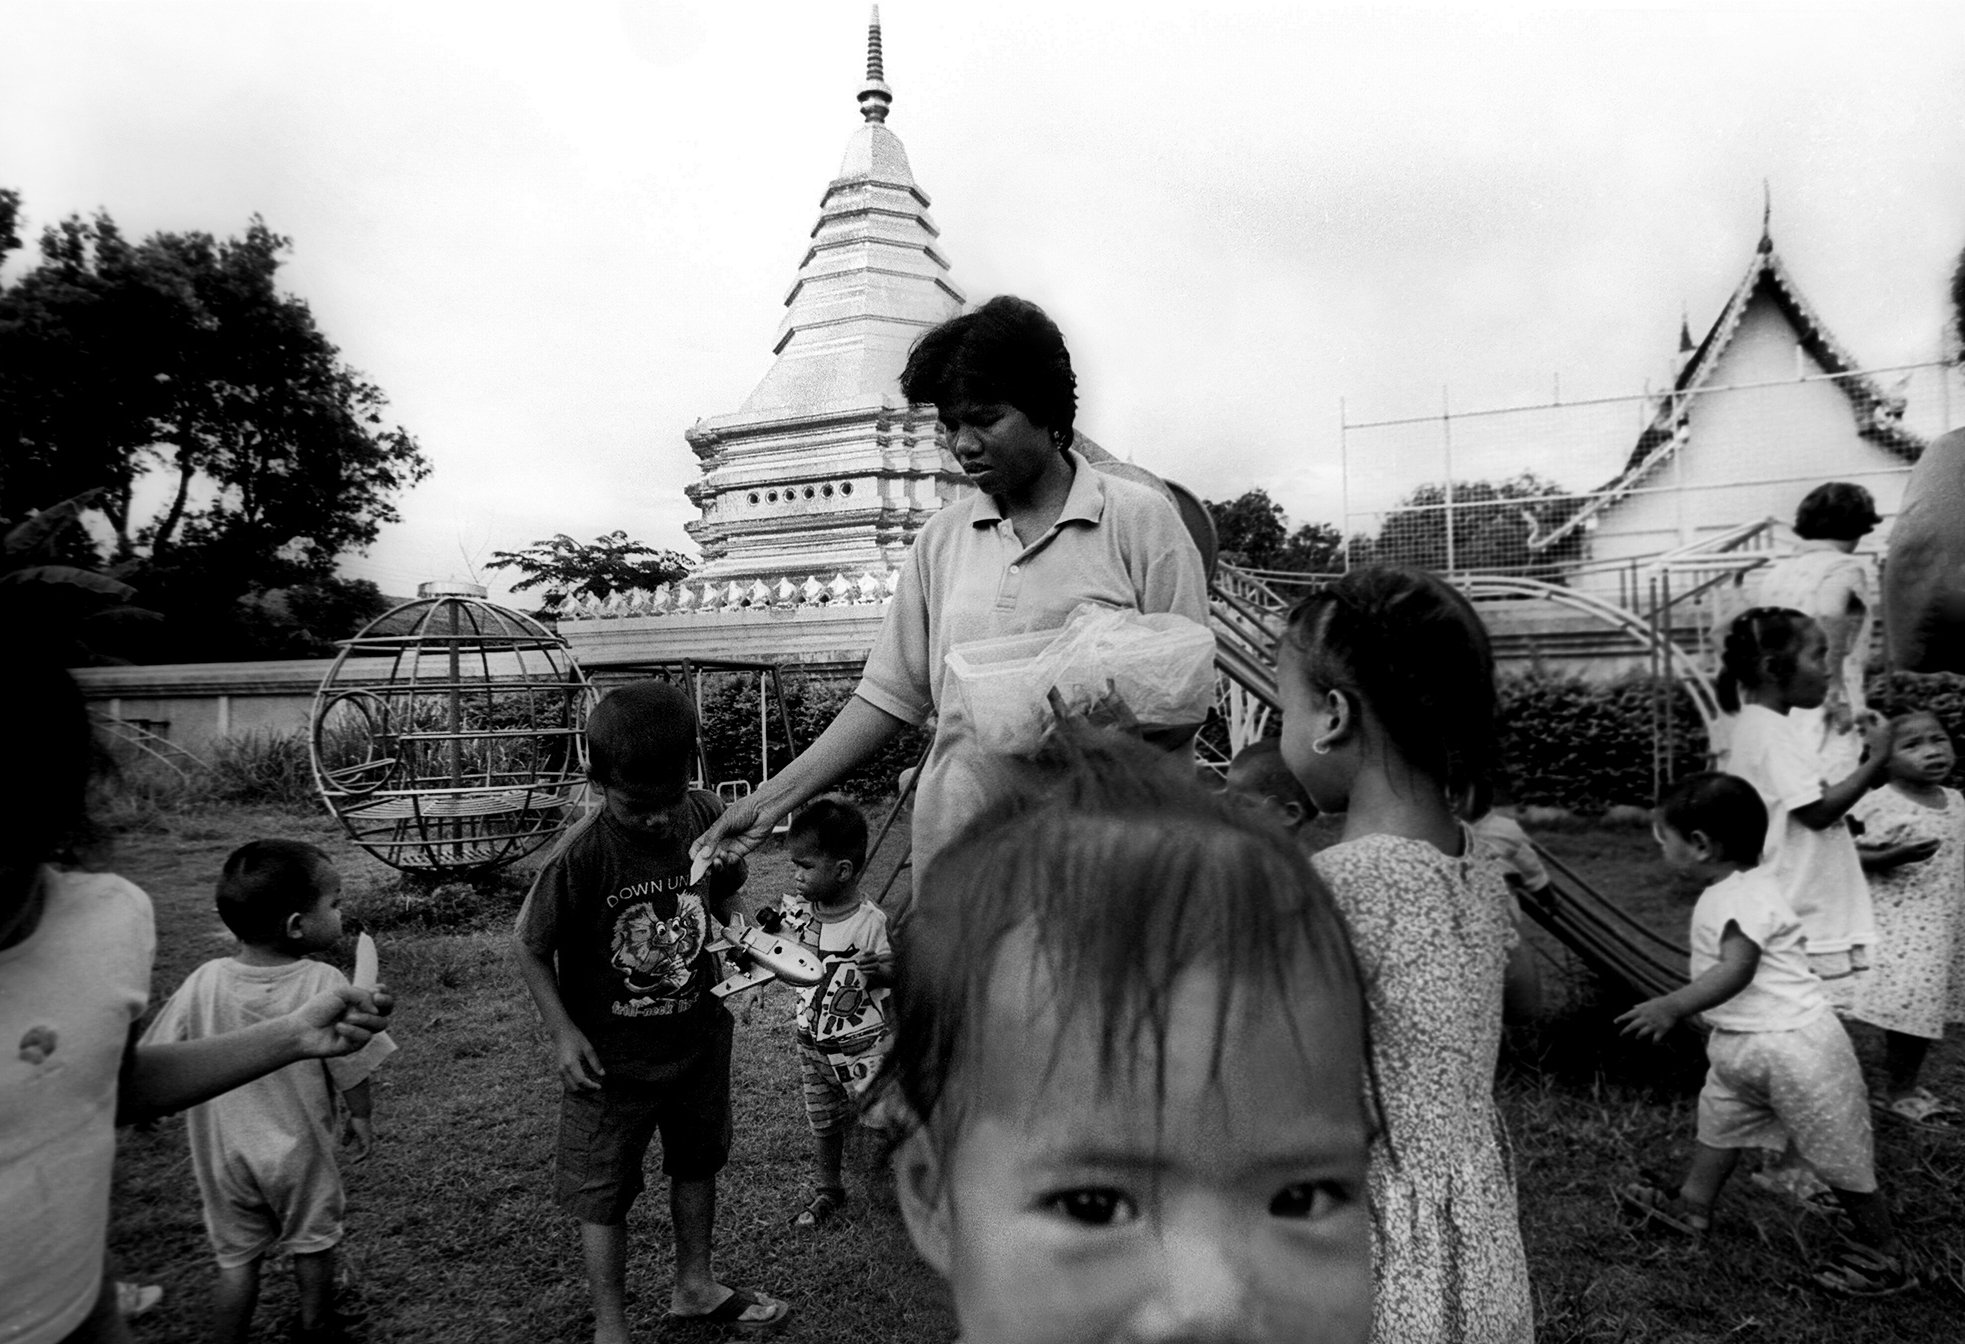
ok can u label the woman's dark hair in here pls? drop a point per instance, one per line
(1407, 644)
(266, 881)
(1837, 511)
(1006, 351)
(1762, 645)
(1126, 875)
(1726, 808)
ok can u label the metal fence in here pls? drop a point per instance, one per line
(1591, 493)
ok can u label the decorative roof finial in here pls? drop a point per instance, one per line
(876, 97)
(1766, 216)
(1685, 346)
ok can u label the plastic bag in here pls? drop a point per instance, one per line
(1103, 662)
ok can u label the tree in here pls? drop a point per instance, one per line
(610, 564)
(49, 585)
(1494, 523)
(178, 362)
(1254, 532)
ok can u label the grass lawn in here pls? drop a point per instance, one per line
(453, 1236)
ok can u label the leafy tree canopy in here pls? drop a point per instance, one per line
(1494, 523)
(609, 564)
(230, 450)
(1254, 533)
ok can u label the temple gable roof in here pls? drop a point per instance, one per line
(1877, 413)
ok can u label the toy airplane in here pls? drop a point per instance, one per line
(773, 958)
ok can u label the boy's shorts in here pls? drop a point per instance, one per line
(292, 1208)
(1767, 1087)
(604, 1134)
(829, 1109)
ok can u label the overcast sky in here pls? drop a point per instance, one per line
(556, 235)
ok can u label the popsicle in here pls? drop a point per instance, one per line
(368, 969)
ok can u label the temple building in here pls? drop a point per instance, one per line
(812, 490)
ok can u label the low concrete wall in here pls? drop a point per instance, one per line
(192, 704)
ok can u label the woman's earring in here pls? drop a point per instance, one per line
(1321, 748)
(1057, 439)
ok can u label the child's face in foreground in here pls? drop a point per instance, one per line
(1921, 752)
(820, 878)
(1064, 1217)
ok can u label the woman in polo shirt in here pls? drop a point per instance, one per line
(1043, 533)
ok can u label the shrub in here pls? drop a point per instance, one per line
(730, 731)
(1587, 746)
(261, 767)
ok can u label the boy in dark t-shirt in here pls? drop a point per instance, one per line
(612, 943)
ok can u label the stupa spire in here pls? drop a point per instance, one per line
(1766, 216)
(875, 96)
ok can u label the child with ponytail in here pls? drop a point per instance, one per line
(1387, 683)
(1776, 660)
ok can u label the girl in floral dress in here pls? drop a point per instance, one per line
(1387, 684)
(1913, 845)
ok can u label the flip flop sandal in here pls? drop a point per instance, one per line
(1919, 1109)
(1855, 1270)
(828, 1200)
(731, 1311)
(1650, 1204)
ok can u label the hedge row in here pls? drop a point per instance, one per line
(1565, 742)
(1587, 746)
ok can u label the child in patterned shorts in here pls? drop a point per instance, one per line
(1781, 1066)
(842, 1020)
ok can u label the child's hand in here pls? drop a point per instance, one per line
(1651, 1020)
(339, 1021)
(1878, 737)
(579, 1062)
(358, 1137)
(879, 971)
(1917, 851)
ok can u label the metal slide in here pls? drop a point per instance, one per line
(1246, 616)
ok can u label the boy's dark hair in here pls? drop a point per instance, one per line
(643, 735)
(1406, 643)
(1762, 644)
(1006, 351)
(1726, 808)
(835, 827)
(1269, 774)
(1837, 511)
(267, 881)
(1127, 875)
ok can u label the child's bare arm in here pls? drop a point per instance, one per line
(1882, 858)
(359, 1134)
(168, 1076)
(1739, 958)
(578, 1061)
(1845, 793)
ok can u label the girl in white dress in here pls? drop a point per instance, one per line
(1913, 845)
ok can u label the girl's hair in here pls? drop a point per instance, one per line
(1006, 351)
(1725, 807)
(1762, 645)
(1958, 304)
(1126, 875)
(1837, 511)
(1407, 644)
(46, 790)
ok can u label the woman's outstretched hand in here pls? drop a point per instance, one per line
(740, 829)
